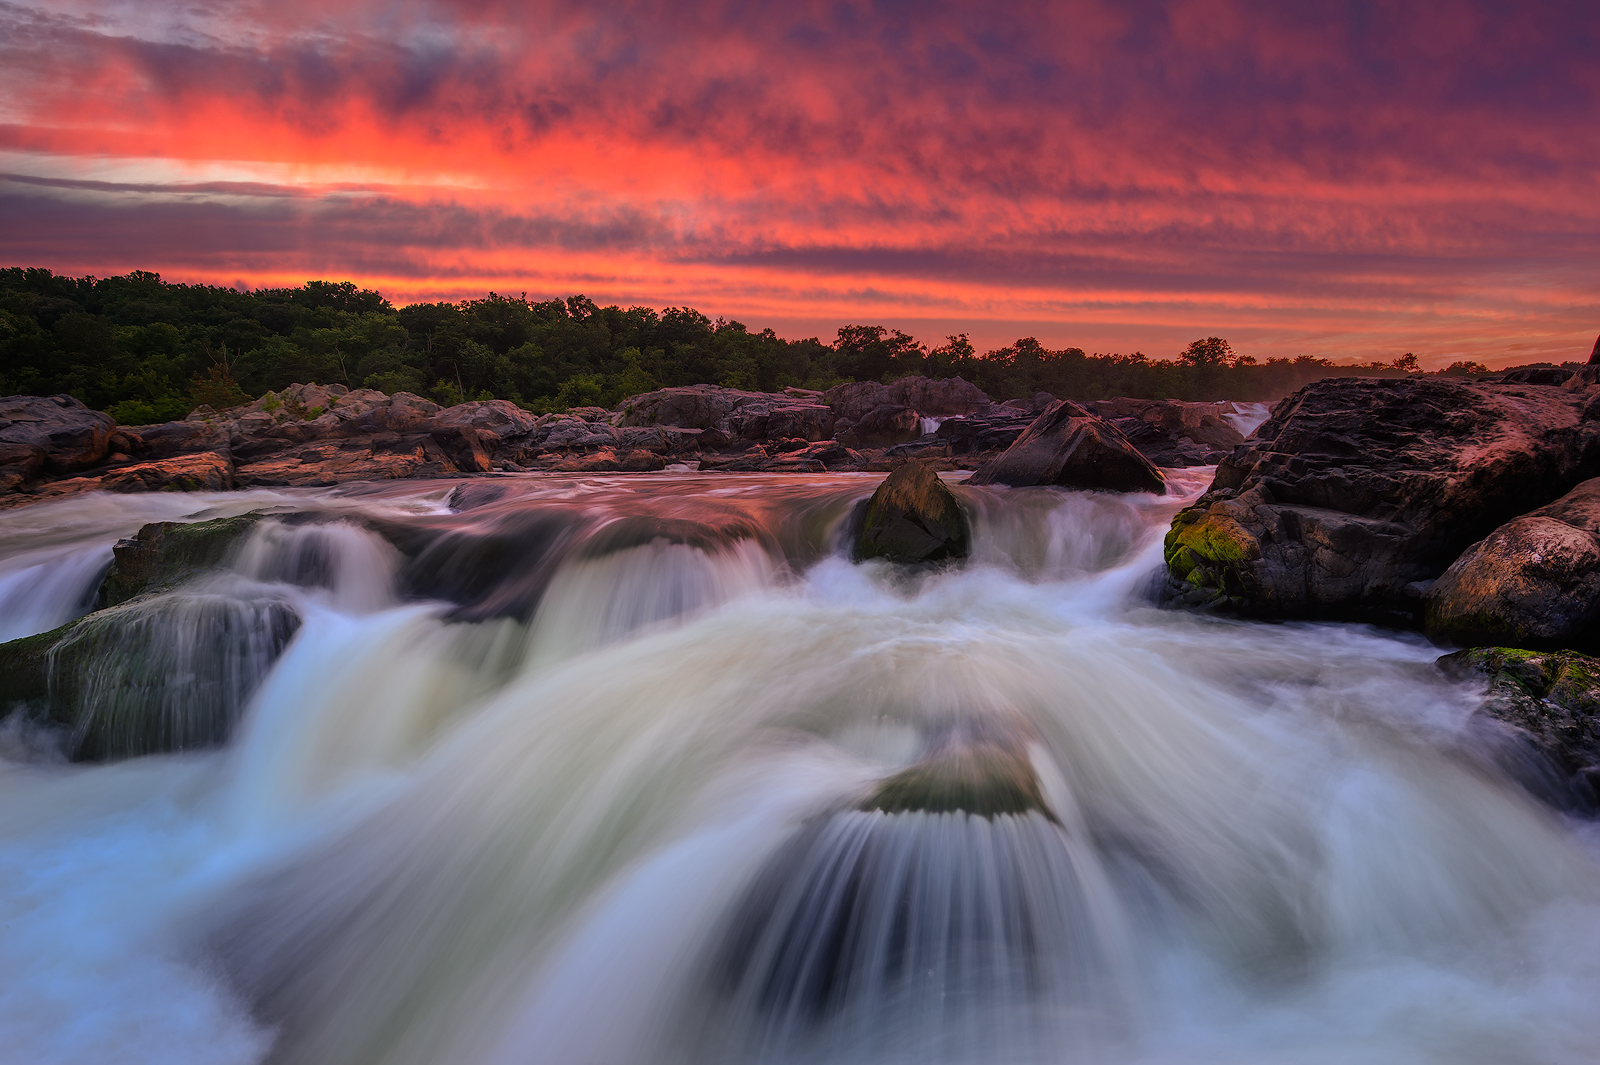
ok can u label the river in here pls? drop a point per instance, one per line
(580, 772)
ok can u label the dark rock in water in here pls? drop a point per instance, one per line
(1357, 489)
(1069, 447)
(913, 517)
(1548, 705)
(157, 674)
(982, 779)
(1534, 582)
(167, 553)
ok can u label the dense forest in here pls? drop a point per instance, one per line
(149, 351)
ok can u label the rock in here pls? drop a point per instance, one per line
(1069, 447)
(928, 397)
(913, 518)
(1173, 433)
(165, 554)
(156, 674)
(882, 427)
(983, 779)
(1549, 702)
(1533, 582)
(695, 406)
(55, 434)
(210, 471)
(1357, 489)
(1535, 375)
(1594, 356)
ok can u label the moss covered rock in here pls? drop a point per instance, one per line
(165, 554)
(913, 517)
(985, 780)
(1550, 703)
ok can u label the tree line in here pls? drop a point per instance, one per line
(147, 351)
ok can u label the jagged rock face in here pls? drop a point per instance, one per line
(913, 518)
(1069, 447)
(1548, 706)
(1358, 489)
(1533, 582)
(55, 434)
(942, 397)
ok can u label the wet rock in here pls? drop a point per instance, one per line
(985, 780)
(1533, 582)
(210, 471)
(1069, 447)
(1358, 489)
(1547, 704)
(157, 674)
(913, 518)
(165, 554)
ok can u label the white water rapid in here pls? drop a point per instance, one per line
(541, 770)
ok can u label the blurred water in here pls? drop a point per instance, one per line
(580, 770)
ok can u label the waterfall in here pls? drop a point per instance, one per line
(637, 770)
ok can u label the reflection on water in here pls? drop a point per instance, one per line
(642, 769)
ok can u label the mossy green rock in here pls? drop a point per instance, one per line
(912, 518)
(1551, 698)
(165, 554)
(984, 780)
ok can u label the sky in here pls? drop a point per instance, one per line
(1346, 180)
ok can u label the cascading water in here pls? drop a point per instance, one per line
(621, 770)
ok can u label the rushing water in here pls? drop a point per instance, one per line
(576, 771)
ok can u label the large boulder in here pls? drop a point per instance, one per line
(1533, 582)
(165, 554)
(912, 518)
(1069, 447)
(928, 397)
(209, 471)
(1548, 706)
(54, 434)
(1173, 433)
(1358, 491)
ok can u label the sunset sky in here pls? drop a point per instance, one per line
(1349, 180)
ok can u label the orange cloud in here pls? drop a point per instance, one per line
(1323, 179)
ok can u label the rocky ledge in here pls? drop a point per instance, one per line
(317, 435)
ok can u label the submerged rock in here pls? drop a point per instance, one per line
(1533, 582)
(1069, 447)
(982, 779)
(1358, 490)
(913, 517)
(1549, 703)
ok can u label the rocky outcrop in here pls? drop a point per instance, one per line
(983, 779)
(1069, 447)
(913, 518)
(49, 435)
(1547, 704)
(1173, 433)
(1533, 582)
(1358, 491)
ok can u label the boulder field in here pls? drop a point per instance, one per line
(316, 435)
